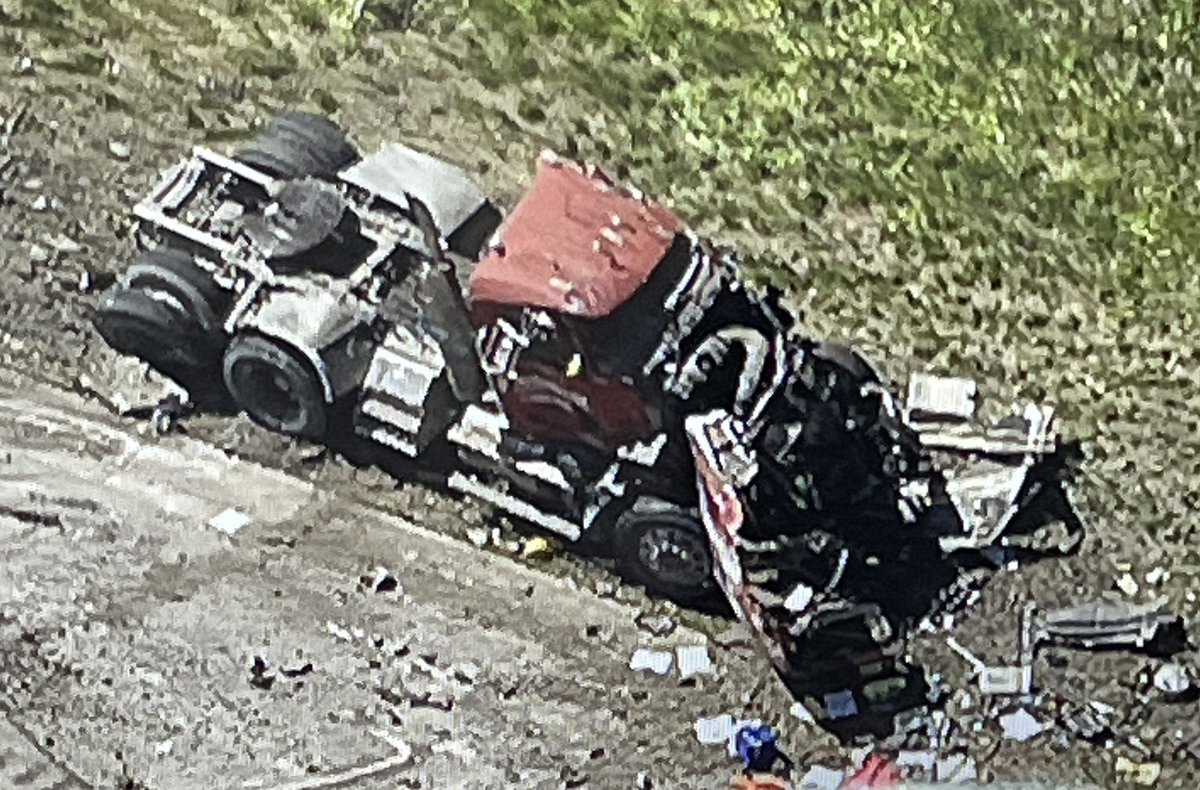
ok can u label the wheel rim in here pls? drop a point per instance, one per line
(675, 555)
(266, 393)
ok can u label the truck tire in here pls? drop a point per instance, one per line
(299, 144)
(664, 547)
(159, 332)
(276, 387)
(173, 272)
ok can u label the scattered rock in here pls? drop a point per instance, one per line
(38, 254)
(1127, 584)
(40, 203)
(261, 674)
(1139, 773)
(119, 150)
(385, 582)
(1174, 681)
(477, 536)
(657, 625)
(23, 66)
(163, 748)
(536, 548)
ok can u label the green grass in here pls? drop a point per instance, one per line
(991, 132)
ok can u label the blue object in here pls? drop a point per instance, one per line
(757, 747)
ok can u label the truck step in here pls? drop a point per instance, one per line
(513, 506)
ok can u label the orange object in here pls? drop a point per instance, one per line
(876, 772)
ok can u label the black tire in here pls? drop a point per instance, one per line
(276, 387)
(174, 272)
(159, 332)
(664, 547)
(299, 145)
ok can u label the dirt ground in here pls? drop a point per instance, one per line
(87, 118)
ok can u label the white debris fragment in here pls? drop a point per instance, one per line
(229, 521)
(715, 730)
(118, 149)
(1006, 680)
(1127, 584)
(841, 704)
(1020, 725)
(802, 713)
(1172, 680)
(799, 598)
(339, 632)
(956, 768)
(693, 660)
(163, 748)
(1156, 576)
(657, 661)
(916, 758)
(971, 658)
(821, 778)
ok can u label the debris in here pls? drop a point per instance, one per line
(751, 781)
(1174, 681)
(261, 674)
(229, 521)
(23, 66)
(693, 660)
(956, 768)
(916, 758)
(1103, 623)
(1138, 773)
(1006, 680)
(163, 748)
(799, 598)
(339, 632)
(1020, 725)
(657, 661)
(385, 582)
(940, 397)
(536, 547)
(821, 778)
(734, 636)
(1127, 584)
(802, 713)
(657, 626)
(38, 253)
(119, 150)
(714, 730)
(1156, 576)
(40, 203)
(976, 664)
(841, 704)
(875, 772)
(1091, 723)
(643, 781)
(757, 746)
(478, 537)
(299, 672)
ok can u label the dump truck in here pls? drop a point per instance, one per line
(586, 363)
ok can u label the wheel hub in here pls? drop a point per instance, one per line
(677, 556)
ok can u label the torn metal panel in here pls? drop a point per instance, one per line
(939, 397)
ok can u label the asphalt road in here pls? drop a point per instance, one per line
(129, 626)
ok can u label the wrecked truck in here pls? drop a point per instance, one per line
(585, 363)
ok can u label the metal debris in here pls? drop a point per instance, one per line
(230, 521)
(715, 730)
(1127, 584)
(1006, 680)
(693, 660)
(820, 777)
(1020, 725)
(1102, 623)
(656, 661)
